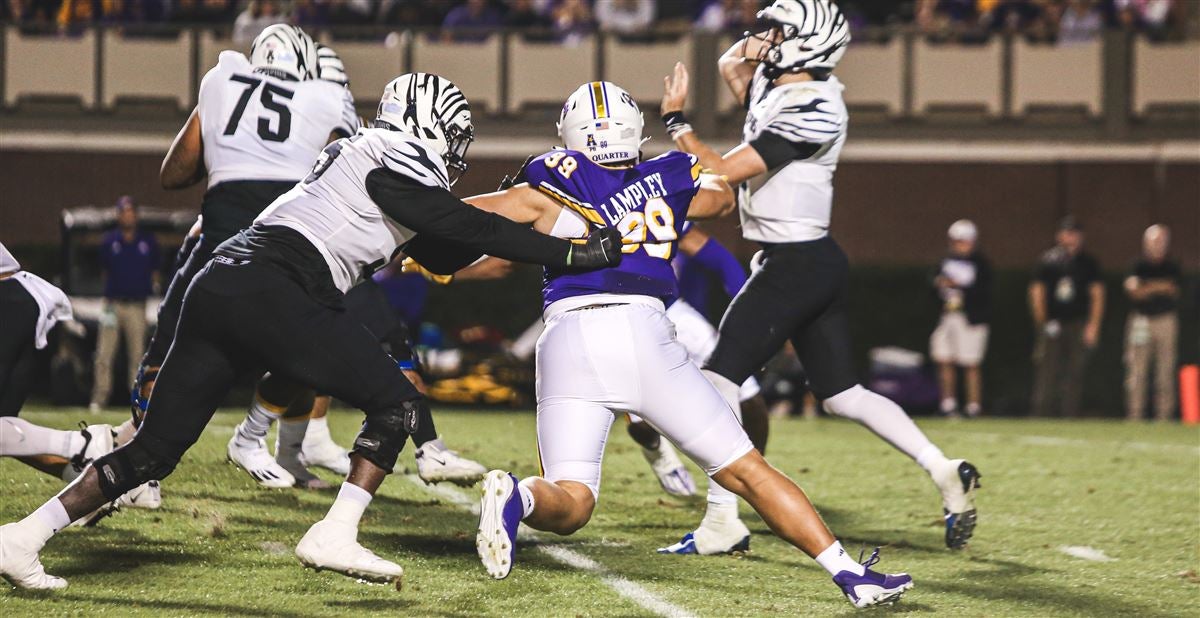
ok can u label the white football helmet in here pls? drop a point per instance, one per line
(285, 52)
(602, 121)
(433, 110)
(807, 35)
(330, 67)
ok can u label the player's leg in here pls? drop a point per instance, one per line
(824, 348)
(248, 447)
(664, 461)
(583, 373)
(293, 426)
(196, 375)
(691, 413)
(318, 448)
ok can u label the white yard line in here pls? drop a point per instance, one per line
(1057, 441)
(643, 598)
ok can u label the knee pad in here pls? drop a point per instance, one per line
(850, 403)
(146, 458)
(384, 432)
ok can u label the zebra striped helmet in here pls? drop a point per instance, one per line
(330, 67)
(807, 35)
(433, 110)
(285, 52)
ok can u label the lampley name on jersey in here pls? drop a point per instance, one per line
(633, 196)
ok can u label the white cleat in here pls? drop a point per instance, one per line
(148, 495)
(958, 481)
(712, 538)
(259, 464)
(19, 563)
(436, 463)
(97, 442)
(323, 452)
(333, 546)
(672, 474)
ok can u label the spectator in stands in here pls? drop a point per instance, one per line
(963, 284)
(1034, 18)
(258, 15)
(1066, 299)
(1152, 329)
(311, 13)
(728, 16)
(358, 12)
(1081, 22)
(129, 258)
(526, 14)
(625, 17)
(472, 21)
(411, 13)
(1150, 16)
(38, 13)
(572, 21)
(203, 11)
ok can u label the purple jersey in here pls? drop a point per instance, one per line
(648, 203)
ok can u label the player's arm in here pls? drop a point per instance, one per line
(713, 256)
(737, 66)
(184, 164)
(436, 212)
(714, 199)
(522, 204)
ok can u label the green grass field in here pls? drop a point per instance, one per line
(221, 546)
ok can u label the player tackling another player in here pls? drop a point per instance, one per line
(794, 131)
(609, 346)
(271, 298)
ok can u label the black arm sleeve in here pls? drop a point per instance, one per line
(776, 150)
(439, 256)
(434, 211)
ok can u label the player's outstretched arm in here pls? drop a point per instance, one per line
(522, 204)
(714, 199)
(737, 66)
(737, 166)
(184, 164)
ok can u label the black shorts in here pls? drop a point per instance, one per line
(800, 295)
(250, 316)
(17, 345)
(367, 303)
(228, 208)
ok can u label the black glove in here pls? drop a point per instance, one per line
(511, 181)
(601, 249)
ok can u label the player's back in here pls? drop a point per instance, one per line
(648, 203)
(259, 127)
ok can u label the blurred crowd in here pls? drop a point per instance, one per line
(468, 20)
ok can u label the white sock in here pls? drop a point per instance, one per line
(722, 505)
(257, 424)
(50, 517)
(124, 433)
(835, 560)
(973, 409)
(527, 498)
(317, 431)
(931, 458)
(949, 404)
(887, 420)
(20, 438)
(348, 508)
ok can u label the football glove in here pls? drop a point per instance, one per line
(601, 249)
(410, 265)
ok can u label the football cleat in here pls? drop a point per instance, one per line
(500, 514)
(672, 474)
(872, 588)
(259, 464)
(19, 562)
(436, 463)
(958, 483)
(333, 546)
(148, 495)
(319, 450)
(97, 441)
(711, 539)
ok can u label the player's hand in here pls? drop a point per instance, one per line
(601, 249)
(675, 90)
(410, 266)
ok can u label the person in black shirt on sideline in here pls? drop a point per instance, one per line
(1152, 330)
(963, 285)
(1066, 298)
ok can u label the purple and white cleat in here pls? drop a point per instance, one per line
(872, 588)
(500, 513)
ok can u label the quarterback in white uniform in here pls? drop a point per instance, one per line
(795, 127)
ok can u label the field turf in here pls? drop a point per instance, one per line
(221, 546)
